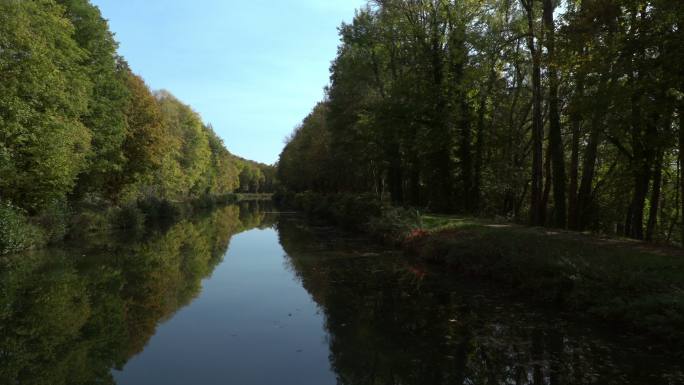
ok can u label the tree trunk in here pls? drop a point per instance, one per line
(479, 155)
(466, 155)
(576, 119)
(681, 168)
(395, 175)
(555, 135)
(547, 186)
(480, 143)
(536, 208)
(414, 186)
(642, 162)
(585, 194)
(634, 226)
(655, 197)
(573, 222)
(584, 197)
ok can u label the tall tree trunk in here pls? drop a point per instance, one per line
(584, 196)
(576, 118)
(555, 136)
(414, 185)
(634, 226)
(585, 193)
(480, 141)
(479, 160)
(395, 174)
(680, 112)
(536, 209)
(547, 186)
(677, 213)
(655, 197)
(642, 166)
(466, 155)
(439, 174)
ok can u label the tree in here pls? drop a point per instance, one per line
(105, 116)
(446, 106)
(43, 93)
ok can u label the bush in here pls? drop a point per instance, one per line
(347, 210)
(395, 224)
(160, 212)
(131, 218)
(54, 221)
(88, 222)
(208, 202)
(16, 233)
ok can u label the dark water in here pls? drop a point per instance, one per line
(245, 296)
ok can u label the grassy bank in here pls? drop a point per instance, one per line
(632, 285)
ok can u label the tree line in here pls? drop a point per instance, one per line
(558, 113)
(79, 128)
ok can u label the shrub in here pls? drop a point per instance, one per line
(130, 218)
(16, 233)
(88, 222)
(54, 221)
(160, 212)
(395, 224)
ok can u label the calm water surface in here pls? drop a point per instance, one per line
(244, 296)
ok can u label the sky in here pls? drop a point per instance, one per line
(252, 68)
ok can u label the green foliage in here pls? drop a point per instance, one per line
(53, 220)
(131, 218)
(16, 233)
(145, 143)
(79, 132)
(303, 162)
(440, 105)
(88, 222)
(395, 224)
(188, 156)
(104, 116)
(356, 212)
(256, 178)
(43, 93)
(160, 212)
(224, 174)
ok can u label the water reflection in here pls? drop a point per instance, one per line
(68, 316)
(71, 315)
(393, 323)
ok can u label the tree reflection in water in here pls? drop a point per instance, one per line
(393, 323)
(70, 315)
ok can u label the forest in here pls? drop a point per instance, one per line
(80, 130)
(565, 114)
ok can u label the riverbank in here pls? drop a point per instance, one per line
(631, 285)
(19, 232)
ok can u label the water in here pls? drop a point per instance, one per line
(246, 296)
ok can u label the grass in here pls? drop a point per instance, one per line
(633, 284)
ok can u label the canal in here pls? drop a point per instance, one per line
(245, 295)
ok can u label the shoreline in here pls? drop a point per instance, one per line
(632, 285)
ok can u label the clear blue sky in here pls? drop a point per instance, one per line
(252, 68)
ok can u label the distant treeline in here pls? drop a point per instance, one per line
(560, 113)
(79, 129)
